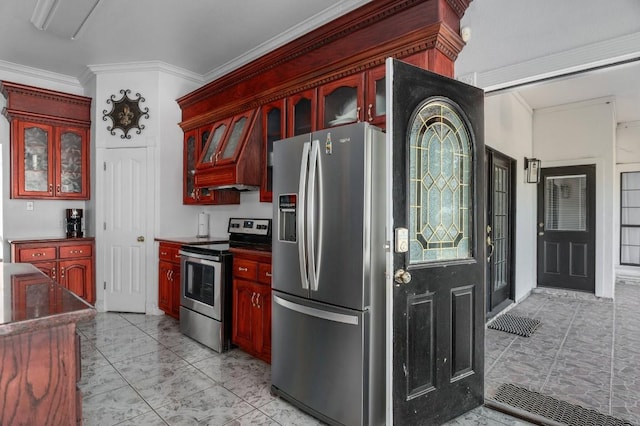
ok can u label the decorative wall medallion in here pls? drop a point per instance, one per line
(125, 114)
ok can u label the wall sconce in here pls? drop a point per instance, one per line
(532, 169)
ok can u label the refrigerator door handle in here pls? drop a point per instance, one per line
(314, 216)
(300, 216)
(318, 313)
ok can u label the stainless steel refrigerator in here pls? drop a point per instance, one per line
(328, 327)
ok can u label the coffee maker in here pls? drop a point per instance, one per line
(74, 223)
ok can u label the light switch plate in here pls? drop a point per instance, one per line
(29, 205)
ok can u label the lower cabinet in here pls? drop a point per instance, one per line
(169, 279)
(251, 324)
(70, 262)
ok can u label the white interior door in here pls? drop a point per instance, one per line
(124, 229)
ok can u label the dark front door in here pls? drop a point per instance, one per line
(436, 130)
(500, 202)
(567, 228)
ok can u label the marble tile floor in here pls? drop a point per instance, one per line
(140, 370)
(586, 350)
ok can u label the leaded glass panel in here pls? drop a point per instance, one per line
(36, 159)
(439, 184)
(71, 163)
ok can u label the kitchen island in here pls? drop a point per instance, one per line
(39, 348)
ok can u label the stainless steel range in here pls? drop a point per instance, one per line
(205, 296)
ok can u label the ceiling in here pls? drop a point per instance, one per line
(620, 83)
(199, 36)
(210, 38)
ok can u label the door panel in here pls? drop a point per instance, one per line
(436, 138)
(287, 206)
(125, 219)
(500, 201)
(566, 228)
(338, 364)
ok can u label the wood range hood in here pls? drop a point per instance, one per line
(230, 159)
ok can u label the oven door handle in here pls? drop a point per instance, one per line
(212, 258)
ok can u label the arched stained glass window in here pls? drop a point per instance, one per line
(440, 173)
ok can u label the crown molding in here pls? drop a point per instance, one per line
(595, 55)
(144, 66)
(30, 72)
(290, 35)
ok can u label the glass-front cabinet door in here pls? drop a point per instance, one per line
(35, 160)
(72, 163)
(194, 143)
(341, 101)
(301, 113)
(211, 151)
(273, 129)
(375, 98)
(237, 133)
(51, 162)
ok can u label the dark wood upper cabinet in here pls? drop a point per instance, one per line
(194, 143)
(341, 101)
(274, 125)
(330, 76)
(302, 112)
(49, 143)
(231, 158)
(375, 97)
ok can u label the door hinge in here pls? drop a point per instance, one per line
(104, 226)
(105, 285)
(104, 166)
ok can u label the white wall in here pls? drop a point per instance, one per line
(584, 133)
(47, 217)
(508, 129)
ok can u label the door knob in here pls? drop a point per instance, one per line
(140, 239)
(402, 277)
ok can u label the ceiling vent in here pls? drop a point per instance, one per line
(63, 18)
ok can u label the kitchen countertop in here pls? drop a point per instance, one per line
(55, 239)
(30, 301)
(193, 240)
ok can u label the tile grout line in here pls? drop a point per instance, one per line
(564, 339)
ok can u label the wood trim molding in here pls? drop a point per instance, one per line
(36, 103)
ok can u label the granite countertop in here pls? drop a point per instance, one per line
(194, 240)
(30, 300)
(53, 239)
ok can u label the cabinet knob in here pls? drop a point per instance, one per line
(258, 300)
(242, 269)
(369, 116)
(58, 189)
(358, 114)
(253, 296)
(50, 188)
(268, 274)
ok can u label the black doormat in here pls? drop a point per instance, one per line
(553, 409)
(521, 326)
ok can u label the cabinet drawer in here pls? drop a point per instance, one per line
(170, 253)
(36, 254)
(264, 273)
(80, 250)
(245, 269)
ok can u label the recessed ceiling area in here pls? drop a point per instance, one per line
(620, 82)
